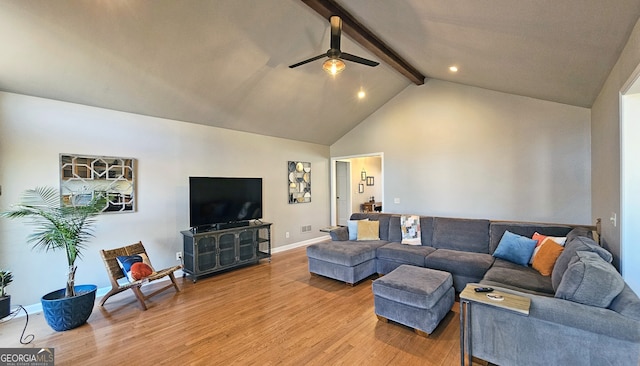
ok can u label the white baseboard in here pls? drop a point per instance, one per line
(37, 308)
(300, 244)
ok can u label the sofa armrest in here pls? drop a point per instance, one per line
(339, 234)
(556, 332)
(583, 317)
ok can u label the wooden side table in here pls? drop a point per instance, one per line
(510, 302)
(372, 207)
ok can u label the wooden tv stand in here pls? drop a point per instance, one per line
(213, 251)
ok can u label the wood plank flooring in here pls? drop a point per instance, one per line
(268, 314)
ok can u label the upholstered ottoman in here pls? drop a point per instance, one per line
(414, 296)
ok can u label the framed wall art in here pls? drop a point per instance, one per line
(84, 176)
(299, 181)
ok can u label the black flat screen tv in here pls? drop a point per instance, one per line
(217, 200)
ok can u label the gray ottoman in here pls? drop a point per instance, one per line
(414, 296)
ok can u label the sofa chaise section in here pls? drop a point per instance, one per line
(346, 260)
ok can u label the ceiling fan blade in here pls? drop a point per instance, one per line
(336, 30)
(360, 60)
(308, 60)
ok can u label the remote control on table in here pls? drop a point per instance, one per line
(483, 289)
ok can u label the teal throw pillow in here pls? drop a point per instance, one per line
(515, 248)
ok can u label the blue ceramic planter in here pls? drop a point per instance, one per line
(64, 313)
(5, 306)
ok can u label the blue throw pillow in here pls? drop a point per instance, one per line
(515, 248)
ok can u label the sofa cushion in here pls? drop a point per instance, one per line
(514, 276)
(426, 230)
(590, 280)
(362, 215)
(461, 234)
(410, 227)
(515, 248)
(572, 246)
(409, 254)
(459, 262)
(579, 231)
(498, 228)
(346, 253)
(384, 226)
(395, 233)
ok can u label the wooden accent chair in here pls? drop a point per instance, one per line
(115, 273)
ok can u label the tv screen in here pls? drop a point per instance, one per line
(214, 200)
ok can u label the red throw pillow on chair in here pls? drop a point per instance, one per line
(140, 270)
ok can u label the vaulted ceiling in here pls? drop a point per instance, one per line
(225, 62)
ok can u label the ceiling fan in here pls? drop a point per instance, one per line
(335, 64)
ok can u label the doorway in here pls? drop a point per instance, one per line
(355, 179)
(343, 192)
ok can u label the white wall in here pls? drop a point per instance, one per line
(460, 151)
(34, 131)
(605, 158)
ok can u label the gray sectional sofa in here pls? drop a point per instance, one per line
(563, 327)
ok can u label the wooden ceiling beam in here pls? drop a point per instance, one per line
(360, 34)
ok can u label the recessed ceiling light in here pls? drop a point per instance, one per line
(453, 68)
(361, 94)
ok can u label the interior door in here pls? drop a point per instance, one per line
(343, 193)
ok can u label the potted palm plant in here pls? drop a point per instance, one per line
(5, 300)
(66, 228)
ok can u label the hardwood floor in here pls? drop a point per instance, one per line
(267, 314)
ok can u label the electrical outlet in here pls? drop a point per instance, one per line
(178, 256)
(396, 200)
(286, 235)
(614, 219)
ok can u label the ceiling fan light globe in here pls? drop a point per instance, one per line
(333, 66)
